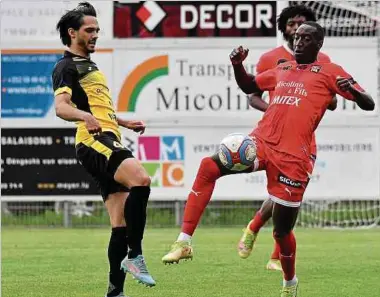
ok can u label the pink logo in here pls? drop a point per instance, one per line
(149, 148)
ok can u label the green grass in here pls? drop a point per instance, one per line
(73, 263)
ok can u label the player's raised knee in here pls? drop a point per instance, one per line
(144, 180)
(131, 174)
(209, 169)
(140, 179)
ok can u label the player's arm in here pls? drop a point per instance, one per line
(333, 105)
(65, 110)
(350, 89)
(247, 82)
(136, 126)
(63, 80)
(256, 99)
(257, 102)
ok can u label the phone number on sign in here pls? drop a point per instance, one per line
(5, 186)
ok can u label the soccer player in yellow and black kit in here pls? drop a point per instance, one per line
(82, 95)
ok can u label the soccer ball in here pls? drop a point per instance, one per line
(237, 152)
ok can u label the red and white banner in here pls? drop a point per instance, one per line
(194, 19)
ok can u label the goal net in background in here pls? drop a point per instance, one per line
(355, 20)
(346, 18)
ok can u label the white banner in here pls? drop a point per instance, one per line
(177, 83)
(363, 68)
(347, 165)
(25, 21)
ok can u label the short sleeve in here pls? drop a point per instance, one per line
(340, 72)
(261, 66)
(324, 58)
(267, 80)
(64, 75)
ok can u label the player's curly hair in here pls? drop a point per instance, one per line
(291, 12)
(73, 19)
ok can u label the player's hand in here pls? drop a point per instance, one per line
(92, 124)
(238, 55)
(136, 126)
(344, 84)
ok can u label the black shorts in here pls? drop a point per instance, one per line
(101, 157)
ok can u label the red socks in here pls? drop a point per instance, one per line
(255, 226)
(287, 255)
(257, 222)
(200, 194)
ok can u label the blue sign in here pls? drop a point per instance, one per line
(26, 85)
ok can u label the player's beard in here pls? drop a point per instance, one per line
(86, 46)
(91, 46)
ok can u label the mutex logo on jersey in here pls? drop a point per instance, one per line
(287, 100)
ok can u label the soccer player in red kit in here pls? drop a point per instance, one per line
(288, 22)
(302, 91)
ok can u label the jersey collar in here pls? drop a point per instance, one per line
(70, 54)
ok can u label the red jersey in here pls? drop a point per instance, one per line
(301, 96)
(280, 55)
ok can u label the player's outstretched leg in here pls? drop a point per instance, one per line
(197, 201)
(284, 219)
(247, 241)
(131, 174)
(135, 213)
(118, 243)
(117, 250)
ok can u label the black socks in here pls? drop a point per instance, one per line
(135, 217)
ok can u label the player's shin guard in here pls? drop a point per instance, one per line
(135, 217)
(117, 250)
(200, 194)
(287, 243)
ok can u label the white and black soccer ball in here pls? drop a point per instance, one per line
(237, 152)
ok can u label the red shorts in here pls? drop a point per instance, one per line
(287, 177)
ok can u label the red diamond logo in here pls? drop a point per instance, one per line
(143, 14)
(150, 14)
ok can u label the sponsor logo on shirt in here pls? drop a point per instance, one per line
(315, 68)
(287, 100)
(289, 182)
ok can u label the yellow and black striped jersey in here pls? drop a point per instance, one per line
(81, 78)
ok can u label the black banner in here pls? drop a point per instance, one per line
(147, 19)
(42, 162)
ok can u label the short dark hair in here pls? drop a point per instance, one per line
(319, 28)
(73, 19)
(291, 12)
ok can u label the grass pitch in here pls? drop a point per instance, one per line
(73, 263)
